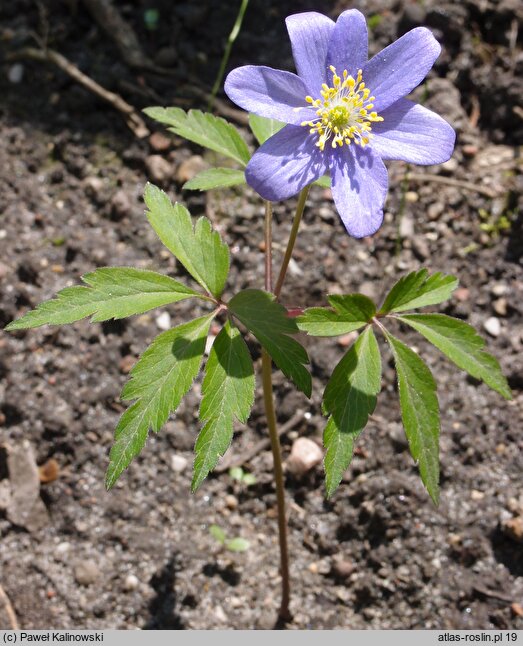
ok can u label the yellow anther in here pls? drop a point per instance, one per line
(343, 113)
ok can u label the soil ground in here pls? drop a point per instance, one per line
(376, 555)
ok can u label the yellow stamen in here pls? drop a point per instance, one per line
(344, 113)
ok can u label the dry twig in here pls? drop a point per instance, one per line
(110, 20)
(9, 610)
(449, 181)
(132, 118)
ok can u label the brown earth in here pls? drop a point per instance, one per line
(378, 554)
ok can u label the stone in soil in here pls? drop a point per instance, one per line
(86, 572)
(178, 463)
(492, 326)
(513, 528)
(120, 205)
(26, 508)
(305, 455)
(190, 168)
(158, 169)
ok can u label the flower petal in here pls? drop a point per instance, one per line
(359, 188)
(310, 33)
(413, 134)
(349, 43)
(400, 67)
(285, 164)
(267, 92)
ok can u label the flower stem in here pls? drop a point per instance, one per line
(292, 239)
(268, 246)
(284, 614)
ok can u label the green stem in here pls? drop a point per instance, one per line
(292, 239)
(284, 612)
(226, 54)
(268, 246)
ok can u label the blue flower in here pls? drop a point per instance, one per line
(344, 114)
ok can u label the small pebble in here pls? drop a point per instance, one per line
(342, 568)
(500, 306)
(63, 547)
(131, 582)
(411, 196)
(499, 289)
(477, 495)
(420, 248)
(163, 321)
(94, 187)
(515, 505)
(345, 340)
(406, 228)
(178, 463)
(305, 455)
(86, 573)
(462, 294)
(450, 166)
(190, 168)
(120, 205)
(231, 501)
(435, 210)
(313, 568)
(81, 526)
(492, 326)
(158, 169)
(470, 150)
(159, 143)
(220, 614)
(49, 471)
(513, 528)
(126, 363)
(16, 73)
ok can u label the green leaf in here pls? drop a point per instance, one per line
(215, 178)
(200, 250)
(324, 181)
(462, 345)
(418, 289)
(264, 128)
(419, 411)
(159, 380)
(228, 393)
(249, 479)
(237, 545)
(349, 398)
(113, 292)
(349, 313)
(218, 534)
(236, 473)
(269, 323)
(204, 129)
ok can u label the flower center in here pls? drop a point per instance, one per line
(344, 113)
